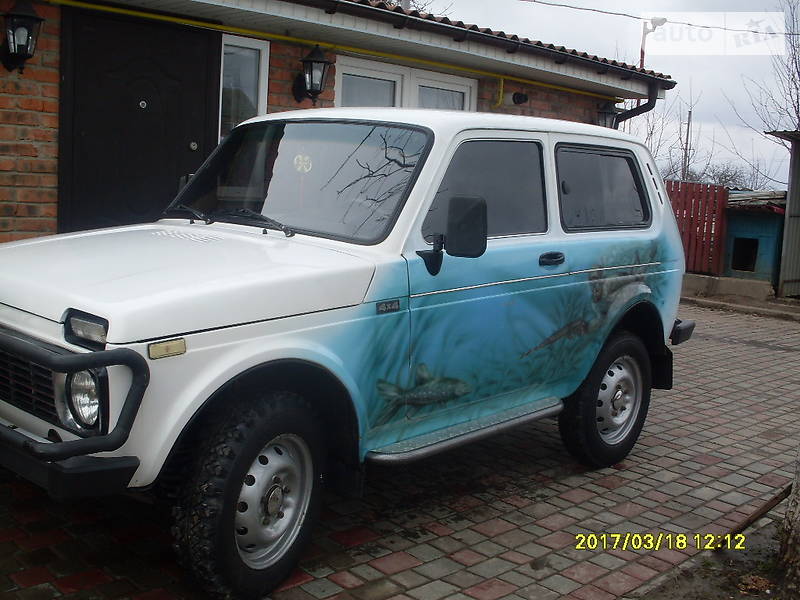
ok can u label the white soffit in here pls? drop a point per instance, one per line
(296, 20)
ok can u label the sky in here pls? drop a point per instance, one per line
(704, 79)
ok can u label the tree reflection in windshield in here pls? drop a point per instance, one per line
(336, 179)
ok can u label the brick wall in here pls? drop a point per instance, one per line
(542, 102)
(29, 136)
(284, 66)
(29, 122)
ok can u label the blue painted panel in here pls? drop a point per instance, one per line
(503, 332)
(767, 228)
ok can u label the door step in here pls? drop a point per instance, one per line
(464, 433)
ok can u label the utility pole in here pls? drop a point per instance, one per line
(687, 148)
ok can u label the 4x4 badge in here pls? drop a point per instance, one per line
(388, 306)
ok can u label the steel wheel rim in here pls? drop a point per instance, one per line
(619, 400)
(273, 501)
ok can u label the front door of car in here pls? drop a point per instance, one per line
(481, 329)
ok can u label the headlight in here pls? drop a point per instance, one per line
(83, 398)
(83, 329)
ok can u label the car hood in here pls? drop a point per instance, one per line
(157, 280)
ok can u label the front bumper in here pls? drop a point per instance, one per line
(76, 477)
(63, 468)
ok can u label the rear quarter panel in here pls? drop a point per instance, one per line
(611, 271)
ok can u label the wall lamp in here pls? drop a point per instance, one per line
(22, 26)
(311, 82)
(607, 114)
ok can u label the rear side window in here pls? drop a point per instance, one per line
(508, 175)
(600, 188)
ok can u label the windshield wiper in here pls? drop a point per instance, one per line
(250, 214)
(193, 211)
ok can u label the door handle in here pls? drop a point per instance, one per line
(551, 258)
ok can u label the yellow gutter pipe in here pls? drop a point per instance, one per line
(330, 46)
(501, 92)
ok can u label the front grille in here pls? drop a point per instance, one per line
(27, 386)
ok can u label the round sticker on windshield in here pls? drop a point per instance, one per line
(302, 162)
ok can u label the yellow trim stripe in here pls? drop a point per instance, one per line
(335, 47)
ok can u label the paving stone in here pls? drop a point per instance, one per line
(437, 569)
(433, 590)
(618, 583)
(425, 552)
(346, 579)
(488, 548)
(535, 591)
(584, 572)
(321, 588)
(516, 578)
(499, 517)
(491, 567)
(447, 544)
(394, 563)
(409, 579)
(607, 561)
(560, 584)
(366, 572)
(491, 589)
(463, 579)
(377, 590)
(590, 592)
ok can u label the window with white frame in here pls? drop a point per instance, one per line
(243, 83)
(370, 83)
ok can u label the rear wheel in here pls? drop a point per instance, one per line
(249, 507)
(602, 420)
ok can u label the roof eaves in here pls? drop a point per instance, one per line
(401, 18)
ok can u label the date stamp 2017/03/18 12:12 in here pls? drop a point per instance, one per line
(659, 541)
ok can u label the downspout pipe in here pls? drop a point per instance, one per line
(652, 96)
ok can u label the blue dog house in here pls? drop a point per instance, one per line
(754, 235)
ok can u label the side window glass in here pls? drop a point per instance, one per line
(600, 189)
(508, 175)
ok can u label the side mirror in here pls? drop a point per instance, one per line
(466, 227)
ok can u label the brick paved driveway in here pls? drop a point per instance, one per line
(494, 520)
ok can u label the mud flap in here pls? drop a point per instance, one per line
(661, 364)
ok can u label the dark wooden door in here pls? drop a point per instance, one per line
(139, 109)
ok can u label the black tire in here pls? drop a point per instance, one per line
(580, 422)
(206, 530)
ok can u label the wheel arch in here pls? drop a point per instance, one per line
(643, 319)
(317, 384)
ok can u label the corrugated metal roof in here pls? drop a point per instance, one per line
(401, 18)
(757, 201)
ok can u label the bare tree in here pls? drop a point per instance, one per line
(680, 151)
(736, 175)
(775, 103)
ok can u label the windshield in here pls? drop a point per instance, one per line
(344, 180)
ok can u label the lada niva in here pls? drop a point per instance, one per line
(335, 287)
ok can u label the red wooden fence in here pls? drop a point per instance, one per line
(700, 211)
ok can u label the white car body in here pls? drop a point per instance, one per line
(241, 298)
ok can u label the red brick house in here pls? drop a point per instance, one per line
(121, 100)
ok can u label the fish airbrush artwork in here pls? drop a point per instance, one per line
(607, 282)
(427, 390)
(491, 352)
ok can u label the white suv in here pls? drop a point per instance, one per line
(334, 287)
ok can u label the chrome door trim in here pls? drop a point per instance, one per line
(523, 279)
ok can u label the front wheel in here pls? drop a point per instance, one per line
(602, 420)
(249, 508)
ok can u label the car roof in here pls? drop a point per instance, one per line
(449, 121)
